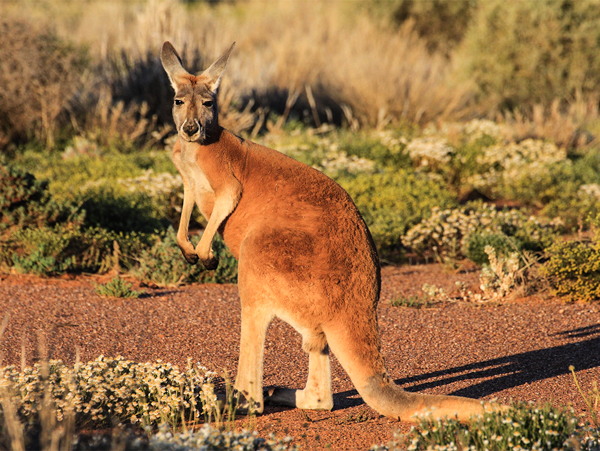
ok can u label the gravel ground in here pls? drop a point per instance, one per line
(517, 350)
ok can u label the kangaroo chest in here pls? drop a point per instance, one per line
(197, 181)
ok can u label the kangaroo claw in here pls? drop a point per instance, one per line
(211, 263)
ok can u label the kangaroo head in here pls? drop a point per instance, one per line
(195, 107)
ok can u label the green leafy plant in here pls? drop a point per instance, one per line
(573, 267)
(117, 288)
(476, 243)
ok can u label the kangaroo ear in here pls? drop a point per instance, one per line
(216, 69)
(172, 63)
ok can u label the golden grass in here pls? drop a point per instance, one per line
(320, 55)
(374, 73)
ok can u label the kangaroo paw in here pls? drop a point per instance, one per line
(192, 259)
(211, 263)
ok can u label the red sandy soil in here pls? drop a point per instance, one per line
(518, 350)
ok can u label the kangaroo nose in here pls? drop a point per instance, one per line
(191, 127)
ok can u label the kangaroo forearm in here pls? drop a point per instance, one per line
(186, 214)
(223, 207)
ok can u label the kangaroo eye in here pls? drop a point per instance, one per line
(178, 102)
(208, 104)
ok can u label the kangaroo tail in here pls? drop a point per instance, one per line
(357, 349)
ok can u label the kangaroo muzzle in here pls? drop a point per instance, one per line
(191, 130)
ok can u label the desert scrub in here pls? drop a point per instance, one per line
(393, 201)
(26, 202)
(521, 427)
(83, 161)
(452, 151)
(519, 54)
(386, 148)
(114, 389)
(213, 439)
(465, 231)
(163, 264)
(524, 171)
(40, 75)
(65, 248)
(573, 268)
(117, 288)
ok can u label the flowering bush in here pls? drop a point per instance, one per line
(517, 170)
(113, 388)
(450, 232)
(213, 439)
(430, 151)
(521, 427)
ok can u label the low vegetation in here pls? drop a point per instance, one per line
(117, 288)
(52, 399)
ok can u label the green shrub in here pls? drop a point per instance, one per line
(117, 288)
(26, 202)
(108, 208)
(520, 54)
(522, 426)
(465, 231)
(385, 148)
(476, 243)
(572, 192)
(393, 201)
(574, 269)
(163, 264)
(62, 248)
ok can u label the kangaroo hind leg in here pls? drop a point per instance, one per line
(255, 322)
(317, 393)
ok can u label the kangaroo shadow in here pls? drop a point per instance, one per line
(505, 372)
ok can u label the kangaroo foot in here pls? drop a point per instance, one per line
(288, 397)
(192, 259)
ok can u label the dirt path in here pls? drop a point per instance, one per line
(519, 350)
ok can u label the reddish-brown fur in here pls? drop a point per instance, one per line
(305, 255)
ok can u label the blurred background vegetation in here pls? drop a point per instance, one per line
(413, 106)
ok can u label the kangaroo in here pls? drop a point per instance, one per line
(305, 256)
